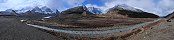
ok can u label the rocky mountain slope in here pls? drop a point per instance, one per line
(8, 12)
(126, 11)
(94, 10)
(171, 15)
(76, 12)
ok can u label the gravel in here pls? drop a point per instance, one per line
(162, 31)
(13, 29)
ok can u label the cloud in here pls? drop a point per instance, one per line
(1, 1)
(56, 4)
(64, 4)
(100, 7)
(159, 7)
(19, 4)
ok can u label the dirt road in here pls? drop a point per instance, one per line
(13, 29)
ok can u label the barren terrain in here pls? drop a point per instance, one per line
(12, 29)
(94, 23)
(162, 31)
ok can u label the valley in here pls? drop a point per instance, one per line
(121, 22)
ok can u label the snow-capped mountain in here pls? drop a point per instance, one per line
(77, 10)
(56, 11)
(8, 12)
(128, 11)
(23, 10)
(94, 10)
(37, 12)
(171, 15)
(125, 7)
(5, 13)
(37, 9)
(46, 10)
(81, 9)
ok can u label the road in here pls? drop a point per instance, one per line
(162, 31)
(13, 29)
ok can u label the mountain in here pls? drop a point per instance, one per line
(23, 10)
(94, 10)
(171, 15)
(46, 10)
(125, 7)
(33, 15)
(57, 12)
(39, 13)
(37, 9)
(9, 12)
(75, 13)
(77, 10)
(126, 11)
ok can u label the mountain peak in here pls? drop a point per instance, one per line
(9, 10)
(128, 11)
(23, 10)
(126, 7)
(76, 10)
(94, 10)
(46, 9)
(36, 9)
(83, 7)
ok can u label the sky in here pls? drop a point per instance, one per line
(159, 7)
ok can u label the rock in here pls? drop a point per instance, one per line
(168, 20)
(84, 14)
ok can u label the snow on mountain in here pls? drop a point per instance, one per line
(126, 7)
(46, 10)
(37, 9)
(56, 11)
(81, 9)
(8, 12)
(128, 11)
(23, 10)
(5, 13)
(94, 10)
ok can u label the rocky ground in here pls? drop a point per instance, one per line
(94, 23)
(162, 31)
(108, 33)
(12, 29)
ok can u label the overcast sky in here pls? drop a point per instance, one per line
(159, 7)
